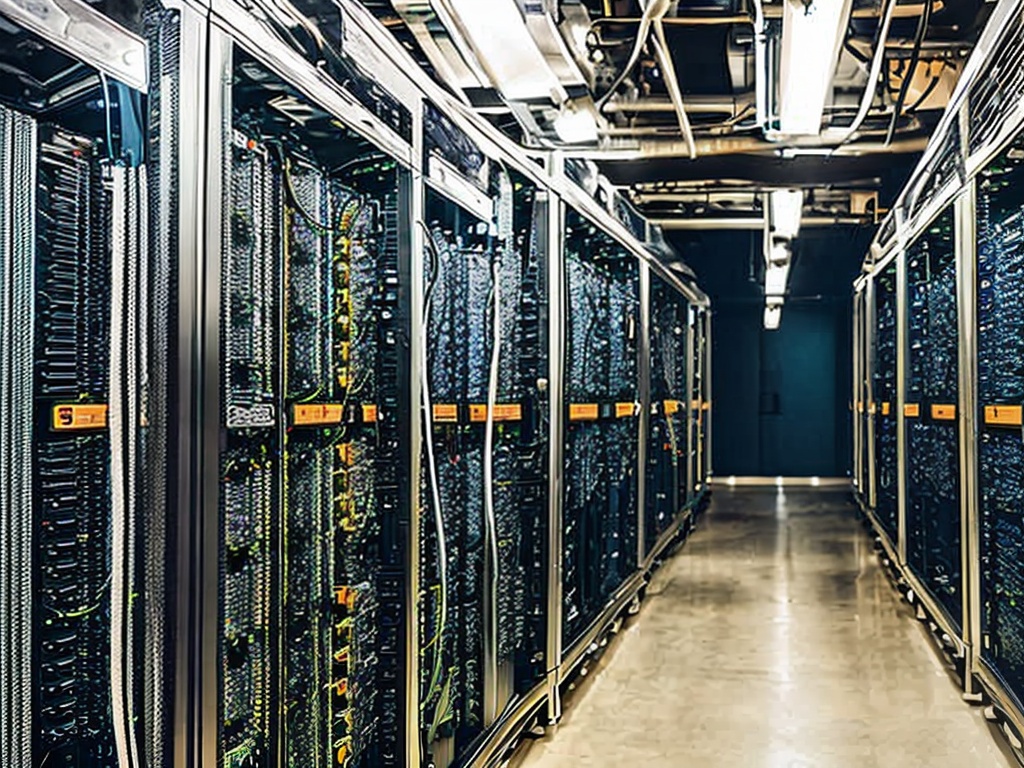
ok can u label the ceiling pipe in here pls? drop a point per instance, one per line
(728, 145)
(694, 104)
(749, 223)
(675, 21)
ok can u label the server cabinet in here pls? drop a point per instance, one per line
(666, 447)
(309, 464)
(857, 392)
(699, 403)
(933, 526)
(600, 524)
(484, 531)
(1000, 284)
(693, 347)
(85, 261)
(882, 407)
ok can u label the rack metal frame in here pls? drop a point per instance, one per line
(913, 212)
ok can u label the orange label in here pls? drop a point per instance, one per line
(695, 404)
(369, 414)
(502, 412)
(69, 417)
(508, 412)
(624, 410)
(446, 414)
(313, 414)
(672, 406)
(706, 406)
(912, 410)
(583, 412)
(944, 412)
(1004, 415)
(860, 406)
(872, 408)
(886, 409)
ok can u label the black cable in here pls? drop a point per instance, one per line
(924, 96)
(290, 189)
(922, 29)
(855, 53)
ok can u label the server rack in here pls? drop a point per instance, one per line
(857, 390)
(953, 236)
(307, 462)
(883, 412)
(666, 449)
(92, 217)
(600, 523)
(932, 517)
(699, 402)
(484, 539)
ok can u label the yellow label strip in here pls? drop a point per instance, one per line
(502, 412)
(583, 412)
(624, 410)
(1004, 415)
(944, 412)
(317, 414)
(446, 414)
(73, 417)
(912, 410)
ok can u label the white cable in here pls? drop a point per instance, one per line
(867, 98)
(118, 501)
(428, 412)
(138, 260)
(492, 400)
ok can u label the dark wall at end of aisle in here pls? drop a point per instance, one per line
(781, 398)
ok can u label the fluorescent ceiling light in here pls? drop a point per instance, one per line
(786, 209)
(775, 276)
(812, 36)
(497, 32)
(772, 317)
(575, 126)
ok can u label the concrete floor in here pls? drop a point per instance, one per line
(772, 640)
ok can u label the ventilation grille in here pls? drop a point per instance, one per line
(1000, 87)
(943, 167)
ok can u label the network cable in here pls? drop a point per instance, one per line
(442, 553)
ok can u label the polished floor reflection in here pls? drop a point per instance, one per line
(772, 640)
